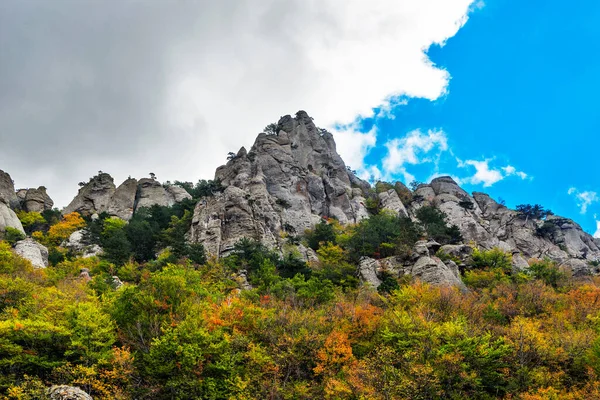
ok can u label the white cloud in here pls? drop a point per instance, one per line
(597, 234)
(414, 148)
(206, 82)
(487, 175)
(584, 199)
(355, 145)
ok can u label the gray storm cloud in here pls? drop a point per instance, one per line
(132, 87)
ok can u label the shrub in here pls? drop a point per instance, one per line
(434, 222)
(322, 233)
(493, 259)
(382, 235)
(548, 272)
(13, 235)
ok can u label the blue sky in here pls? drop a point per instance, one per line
(520, 119)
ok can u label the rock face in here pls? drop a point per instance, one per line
(7, 191)
(35, 200)
(286, 183)
(31, 250)
(122, 203)
(100, 195)
(64, 392)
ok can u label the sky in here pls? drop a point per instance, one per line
(498, 94)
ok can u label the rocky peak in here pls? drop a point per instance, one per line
(286, 183)
(94, 196)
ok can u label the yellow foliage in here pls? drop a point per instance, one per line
(62, 230)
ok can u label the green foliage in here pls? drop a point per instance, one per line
(548, 272)
(434, 222)
(381, 187)
(322, 233)
(547, 230)
(382, 235)
(494, 259)
(414, 185)
(13, 235)
(202, 188)
(31, 221)
(388, 283)
(528, 211)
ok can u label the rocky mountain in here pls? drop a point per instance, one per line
(291, 179)
(286, 183)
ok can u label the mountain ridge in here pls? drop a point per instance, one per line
(292, 178)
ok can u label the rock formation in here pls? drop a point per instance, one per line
(423, 264)
(488, 224)
(94, 197)
(286, 183)
(291, 179)
(7, 191)
(63, 392)
(8, 202)
(35, 200)
(33, 251)
(77, 245)
(100, 195)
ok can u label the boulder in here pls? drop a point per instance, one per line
(433, 271)
(8, 218)
(151, 192)
(36, 200)
(64, 392)
(178, 194)
(33, 251)
(368, 269)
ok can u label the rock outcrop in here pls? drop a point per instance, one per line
(122, 202)
(94, 197)
(63, 392)
(100, 195)
(77, 245)
(422, 264)
(35, 200)
(8, 218)
(33, 251)
(489, 224)
(151, 192)
(286, 183)
(7, 191)
(8, 201)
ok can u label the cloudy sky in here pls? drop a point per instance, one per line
(500, 95)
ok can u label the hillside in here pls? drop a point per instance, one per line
(287, 276)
